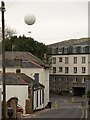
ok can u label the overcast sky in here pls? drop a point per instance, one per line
(55, 20)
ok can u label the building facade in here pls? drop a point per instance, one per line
(70, 67)
(30, 65)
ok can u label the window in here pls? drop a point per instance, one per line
(83, 49)
(66, 79)
(53, 50)
(36, 76)
(65, 50)
(75, 69)
(83, 69)
(37, 99)
(54, 78)
(75, 79)
(75, 60)
(83, 80)
(83, 60)
(54, 69)
(60, 69)
(66, 69)
(60, 59)
(59, 50)
(74, 49)
(40, 96)
(66, 60)
(54, 60)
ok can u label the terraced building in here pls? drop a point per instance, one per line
(70, 67)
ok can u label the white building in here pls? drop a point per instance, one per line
(70, 66)
(22, 87)
(30, 65)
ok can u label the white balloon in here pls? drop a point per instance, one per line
(29, 19)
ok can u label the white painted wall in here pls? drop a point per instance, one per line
(19, 91)
(43, 75)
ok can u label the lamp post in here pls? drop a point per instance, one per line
(3, 62)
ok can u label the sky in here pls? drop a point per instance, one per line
(56, 20)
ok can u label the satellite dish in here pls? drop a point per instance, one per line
(29, 19)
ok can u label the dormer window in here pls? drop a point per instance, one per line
(53, 50)
(65, 50)
(60, 50)
(82, 49)
(74, 49)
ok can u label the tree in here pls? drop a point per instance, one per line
(23, 43)
(9, 32)
(28, 44)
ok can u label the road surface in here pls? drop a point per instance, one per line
(63, 107)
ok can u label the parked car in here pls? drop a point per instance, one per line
(19, 108)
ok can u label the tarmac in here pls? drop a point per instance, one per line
(34, 114)
(39, 112)
(85, 111)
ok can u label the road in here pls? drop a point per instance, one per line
(64, 112)
(63, 107)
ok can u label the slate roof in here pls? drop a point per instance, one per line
(20, 79)
(81, 41)
(28, 60)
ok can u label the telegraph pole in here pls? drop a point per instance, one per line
(3, 62)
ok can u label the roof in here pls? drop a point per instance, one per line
(27, 59)
(20, 79)
(80, 41)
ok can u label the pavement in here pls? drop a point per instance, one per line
(39, 112)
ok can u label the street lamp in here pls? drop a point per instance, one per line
(3, 62)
